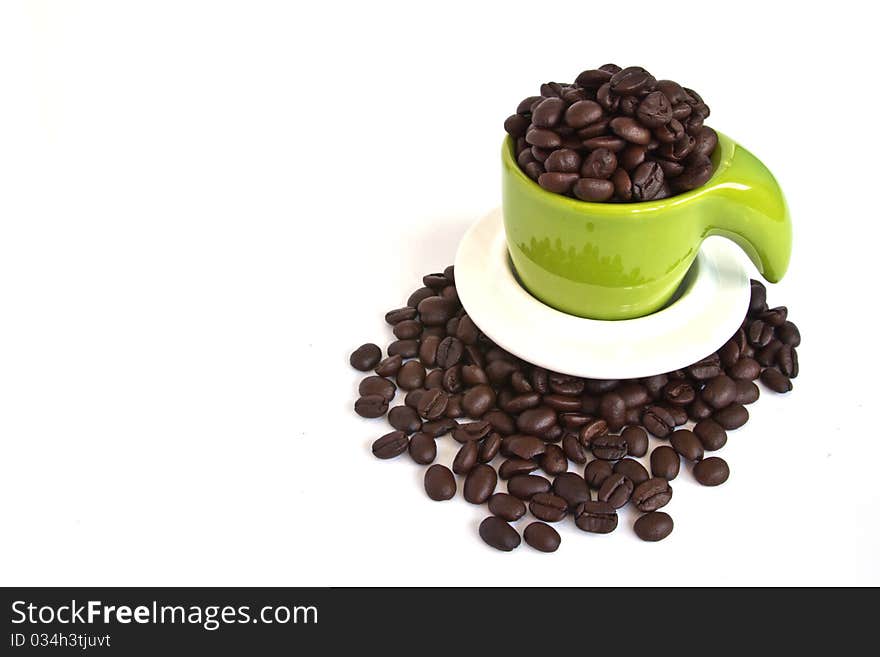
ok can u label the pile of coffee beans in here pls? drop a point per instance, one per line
(614, 135)
(528, 426)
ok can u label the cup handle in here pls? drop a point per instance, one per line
(750, 209)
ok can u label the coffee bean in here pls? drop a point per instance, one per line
(654, 526)
(439, 427)
(767, 355)
(630, 130)
(404, 348)
(593, 78)
(706, 369)
(593, 190)
(498, 534)
(478, 400)
(553, 460)
(453, 384)
(428, 350)
(758, 300)
(411, 375)
(720, 391)
(500, 422)
(524, 486)
(732, 417)
(699, 410)
(760, 333)
(600, 164)
(652, 494)
(543, 138)
(686, 443)
(658, 421)
(789, 334)
(679, 415)
(418, 296)
(679, 393)
(506, 507)
(632, 470)
(665, 462)
(471, 431)
(671, 132)
(596, 517)
(422, 448)
(747, 392)
(499, 371)
(647, 180)
(557, 182)
(563, 160)
(710, 434)
(632, 80)
(390, 445)
(405, 419)
(536, 421)
(592, 430)
(489, 448)
(389, 366)
(609, 447)
(572, 488)
(449, 352)
(542, 537)
(514, 466)
(747, 369)
(522, 446)
(407, 330)
(622, 185)
(377, 385)
(393, 317)
(582, 113)
(548, 112)
(371, 406)
(787, 361)
(712, 471)
(776, 380)
(636, 439)
(466, 458)
(616, 490)
(439, 483)
(597, 472)
(480, 483)
(655, 110)
(432, 403)
(548, 507)
(573, 449)
(433, 381)
(365, 357)
(612, 408)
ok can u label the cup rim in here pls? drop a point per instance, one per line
(723, 153)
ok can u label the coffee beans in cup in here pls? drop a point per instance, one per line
(614, 135)
(541, 447)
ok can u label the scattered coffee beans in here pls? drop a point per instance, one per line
(614, 135)
(511, 418)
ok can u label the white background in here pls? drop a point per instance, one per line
(204, 206)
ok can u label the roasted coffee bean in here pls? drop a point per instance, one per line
(655, 110)
(398, 315)
(473, 375)
(622, 185)
(553, 460)
(600, 164)
(548, 112)
(706, 369)
(542, 537)
(480, 483)
(686, 443)
(562, 403)
(671, 132)
(654, 526)
(596, 517)
(679, 415)
(719, 392)
(787, 361)
(774, 317)
(597, 472)
(563, 384)
(582, 113)
(616, 490)
(428, 350)
(633, 470)
(439, 483)
(543, 138)
(572, 421)
(563, 160)
(422, 448)
(365, 357)
(607, 98)
(647, 181)
(679, 393)
(404, 348)
(411, 375)
(516, 466)
(593, 78)
(432, 403)
(760, 333)
(636, 439)
(499, 371)
(472, 431)
(634, 394)
(612, 408)
(489, 448)
(711, 435)
(506, 507)
(390, 445)
(418, 296)
(789, 334)
(593, 190)
(729, 353)
(408, 329)
(776, 380)
(500, 422)
(573, 449)
(631, 130)
(449, 352)
(557, 182)
(522, 446)
(520, 383)
(452, 383)
(655, 384)
(712, 471)
(767, 355)
(498, 534)
(613, 144)
(652, 494)
(440, 427)
(435, 310)
(608, 447)
(658, 421)
(747, 369)
(466, 458)
(521, 402)
(732, 417)
(434, 380)
(453, 408)
(590, 405)
(536, 421)
(632, 80)
(405, 419)
(665, 462)
(593, 429)
(696, 173)
(389, 366)
(747, 392)
(478, 400)
(525, 486)
(699, 410)
(758, 300)
(371, 406)
(572, 488)
(548, 507)
(377, 385)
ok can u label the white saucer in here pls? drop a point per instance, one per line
(708, 310)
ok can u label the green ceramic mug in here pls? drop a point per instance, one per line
(624, 260)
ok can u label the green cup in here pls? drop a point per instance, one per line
(624, 260)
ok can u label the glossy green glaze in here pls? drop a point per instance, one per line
(624, 260)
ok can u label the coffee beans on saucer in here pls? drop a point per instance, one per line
(614, 135)
(543, 448)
